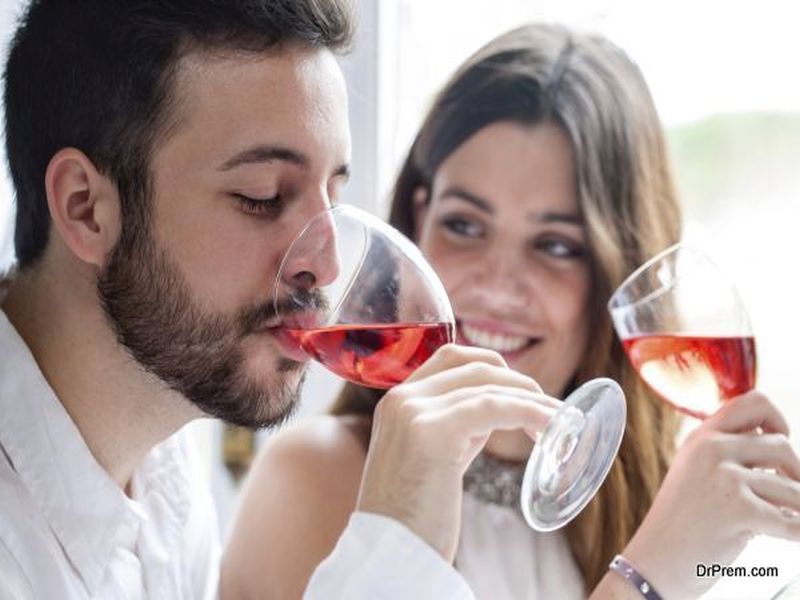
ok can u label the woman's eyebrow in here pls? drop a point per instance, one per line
(460, 193)
(556, 217)
(546, 216)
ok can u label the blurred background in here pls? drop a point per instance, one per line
(725, 82)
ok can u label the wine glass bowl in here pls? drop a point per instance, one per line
(685, 330)
(357, 296)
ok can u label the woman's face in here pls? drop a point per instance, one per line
(504, 232)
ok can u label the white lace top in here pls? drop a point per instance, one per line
(503, 559)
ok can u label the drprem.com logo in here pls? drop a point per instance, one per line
(715, 570)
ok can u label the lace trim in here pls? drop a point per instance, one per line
(495, 481)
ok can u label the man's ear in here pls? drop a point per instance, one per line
(84, 206)
(420, 203)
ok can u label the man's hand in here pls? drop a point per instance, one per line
(427, 430)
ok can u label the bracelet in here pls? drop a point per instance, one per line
(621, 565)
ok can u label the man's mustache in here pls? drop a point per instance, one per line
(302, 301)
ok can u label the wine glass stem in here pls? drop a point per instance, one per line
(559, 444)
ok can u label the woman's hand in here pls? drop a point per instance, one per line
(426, 432)
(736, 476)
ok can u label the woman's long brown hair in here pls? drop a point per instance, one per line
(590, 88)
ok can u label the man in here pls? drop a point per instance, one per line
(165, 154)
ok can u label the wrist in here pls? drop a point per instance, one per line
(432, 523)
(628, 571)
(661, 567)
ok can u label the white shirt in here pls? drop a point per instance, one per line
(377, 558)
(504, 559)
(67, 530)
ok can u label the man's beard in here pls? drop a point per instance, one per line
(151, 310)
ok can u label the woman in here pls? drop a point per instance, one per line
(537, 182)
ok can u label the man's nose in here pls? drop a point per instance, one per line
(313, 258)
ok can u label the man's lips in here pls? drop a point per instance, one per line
(288, 341)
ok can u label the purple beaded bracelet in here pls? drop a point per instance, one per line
(621, 565)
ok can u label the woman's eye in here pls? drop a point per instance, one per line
(259, 206)
(559, 248)
(463, 227)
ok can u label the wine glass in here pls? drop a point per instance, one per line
(356, 295)
(685, 331)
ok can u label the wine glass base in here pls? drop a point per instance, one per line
(574, 455)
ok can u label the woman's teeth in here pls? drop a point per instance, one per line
(493, 341)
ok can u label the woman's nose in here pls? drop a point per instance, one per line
(502, 281)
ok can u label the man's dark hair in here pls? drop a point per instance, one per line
(97, 75)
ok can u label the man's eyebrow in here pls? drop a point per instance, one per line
(264, 154)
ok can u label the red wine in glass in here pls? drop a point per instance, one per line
(686, 331)
(695, 374)
(379, 356)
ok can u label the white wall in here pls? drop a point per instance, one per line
(8, 12)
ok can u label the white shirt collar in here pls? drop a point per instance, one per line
(84, 507)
